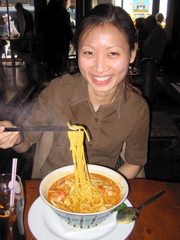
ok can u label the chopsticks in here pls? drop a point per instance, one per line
(177, 84)
(36, 129)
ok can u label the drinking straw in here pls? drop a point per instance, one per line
(13, 178)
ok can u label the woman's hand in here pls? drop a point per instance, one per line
(8, 139)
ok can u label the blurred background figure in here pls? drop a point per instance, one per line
(142, 35)
(25, 21)
(25, 25)
(159, 19)
(55, 28)
(156, 41)
(141, 30)
(8, 30)
(13, 31)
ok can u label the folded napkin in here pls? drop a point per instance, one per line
(62, 229)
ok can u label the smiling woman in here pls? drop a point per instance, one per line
(104, 57)
(100, 98)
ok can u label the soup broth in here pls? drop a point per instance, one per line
(103, 193)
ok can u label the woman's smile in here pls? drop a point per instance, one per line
(101, 79)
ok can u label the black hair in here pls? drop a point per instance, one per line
(150, 21)
(107, 14)
(18, 5)
(61, 2)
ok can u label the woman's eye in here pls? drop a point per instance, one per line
(114, 53)
(88, 53)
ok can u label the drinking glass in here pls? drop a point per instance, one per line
(11, 211)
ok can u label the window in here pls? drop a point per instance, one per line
(163, 10)
(71, 8)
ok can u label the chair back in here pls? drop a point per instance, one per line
(146, 78)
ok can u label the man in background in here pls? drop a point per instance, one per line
(156, 41)
(159, 19)
(25, 25)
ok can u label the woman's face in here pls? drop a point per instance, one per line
(103, 57)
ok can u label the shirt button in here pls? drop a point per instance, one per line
(96, 120)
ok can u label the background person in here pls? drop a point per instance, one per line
(8, 30)
(13, 31)
(156, 41)
(25, 25)
(55, 28)
(142, 33)
(159, 19)
(99, 97)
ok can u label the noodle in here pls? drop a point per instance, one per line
(83, 191)
(76, 138)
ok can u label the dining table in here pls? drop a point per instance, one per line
(157, 221)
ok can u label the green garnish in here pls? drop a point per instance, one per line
(121, 206)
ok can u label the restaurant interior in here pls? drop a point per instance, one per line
(20, 86)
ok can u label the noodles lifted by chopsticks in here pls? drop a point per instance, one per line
(76, 137)
(82, 191)
(91, 195)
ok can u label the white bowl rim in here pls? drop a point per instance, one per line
(70, 171)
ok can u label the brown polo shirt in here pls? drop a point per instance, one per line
(66, 100)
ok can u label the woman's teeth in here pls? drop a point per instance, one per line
(101, 79)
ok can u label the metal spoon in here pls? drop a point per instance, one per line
(129, 214)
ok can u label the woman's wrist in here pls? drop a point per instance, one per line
(21, 139)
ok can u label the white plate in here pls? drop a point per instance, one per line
(45, 225)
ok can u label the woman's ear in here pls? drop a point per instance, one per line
(133, 53)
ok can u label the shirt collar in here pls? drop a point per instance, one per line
(119, 100)
(81, 94)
